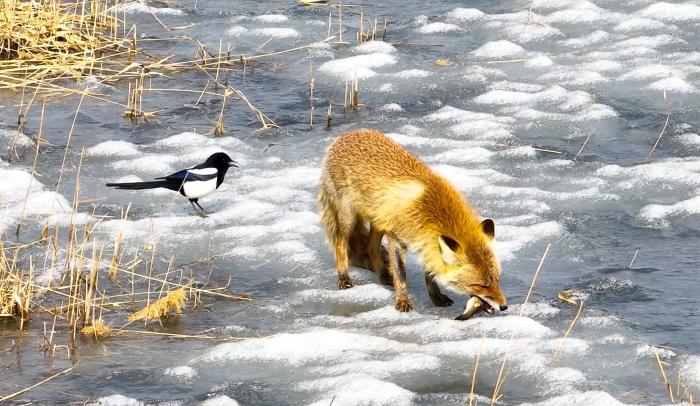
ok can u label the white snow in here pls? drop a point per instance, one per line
(677, 85)
(182, 372)
(670, 12)
(117, 400)
(438, 27)
(361, 65)
(371, 47)
(466, 14)
(271, 18)
(274, 32)
(220, 400)
(114, 148)
(139, 7)
(499, 49)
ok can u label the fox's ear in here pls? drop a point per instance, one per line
(448, 247)
(489, 228)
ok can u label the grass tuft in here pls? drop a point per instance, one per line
(161, 308)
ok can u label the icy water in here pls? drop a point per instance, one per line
(547, 127)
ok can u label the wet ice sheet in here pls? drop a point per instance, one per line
(504, 123)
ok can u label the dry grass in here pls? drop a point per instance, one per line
(161, 308)
(48, 46)
(98, 329)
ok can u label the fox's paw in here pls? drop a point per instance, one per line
(344, 282)
(403, 305)
(441, 301)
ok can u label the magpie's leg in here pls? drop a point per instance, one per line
(200, 212)
(198, 205)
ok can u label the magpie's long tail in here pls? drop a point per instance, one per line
(142, 185)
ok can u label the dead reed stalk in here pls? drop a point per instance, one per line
(501, 377)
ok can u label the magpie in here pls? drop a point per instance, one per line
(193, 183)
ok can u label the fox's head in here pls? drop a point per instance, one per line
(471, 267)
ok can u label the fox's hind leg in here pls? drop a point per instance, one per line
(436, 296)
(397, 268)
(338, 221)
(376, 260)
(346, 218)
(341, 263)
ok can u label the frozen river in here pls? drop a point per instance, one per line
(545, 121)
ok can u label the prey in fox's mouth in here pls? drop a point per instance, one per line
(475, 305)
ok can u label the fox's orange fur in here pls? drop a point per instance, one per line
(370, 180)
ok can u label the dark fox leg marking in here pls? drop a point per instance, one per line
(398, 271)
(436, 296)
(376, 258)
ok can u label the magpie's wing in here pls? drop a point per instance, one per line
(192, 174)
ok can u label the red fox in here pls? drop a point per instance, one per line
(368, 180)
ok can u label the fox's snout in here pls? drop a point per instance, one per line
(503, 307)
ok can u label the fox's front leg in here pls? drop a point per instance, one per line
(436, 296)
(376, 260)
(397, 268)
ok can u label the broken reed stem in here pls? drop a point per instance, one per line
(33, 172)
(633, 258)
(499, 380)
(329, 115)
(219, 127)
(67, 147)
(529, 12)
(663, 374)
(340, 21)
(668, 116)
(354, 93)
(174, 335)
(476, 368)
(566, 334)
(311, 90)
(582, 147)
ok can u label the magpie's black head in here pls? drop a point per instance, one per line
(220, 161)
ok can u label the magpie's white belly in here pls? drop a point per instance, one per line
(195, 189)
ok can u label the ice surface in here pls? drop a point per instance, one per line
(672, 12)
(117, 400)
(139, 7)
(301, 348)
(21, 195)
(466, 14)
(593, 398)
(691, 371)
(271, 18)
(359, 389)
(438, 27)
(360, 66)
(499, 49)
(660, 213)
(183, 372)
(114, 148)
(221, 400)
(371, 47)
(639, 24)
(676, 85)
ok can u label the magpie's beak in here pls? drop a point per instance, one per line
(233, 163)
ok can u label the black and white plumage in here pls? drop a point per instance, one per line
(193, 183)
